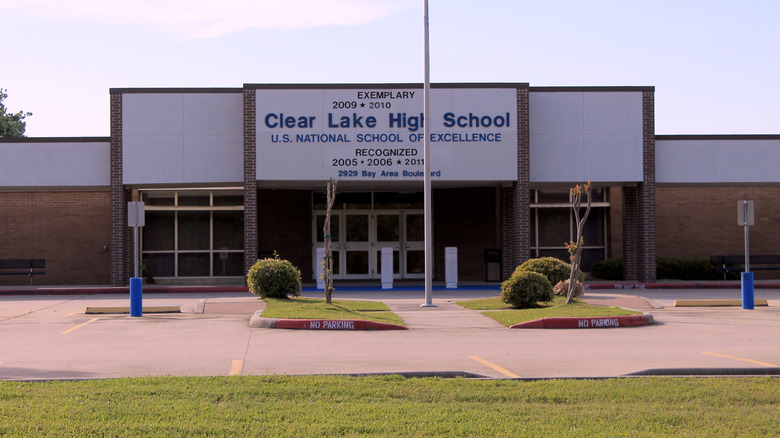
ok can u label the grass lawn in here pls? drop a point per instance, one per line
(312, 308)
(391, 406)
(503, 313)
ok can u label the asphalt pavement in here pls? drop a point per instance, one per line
(49, 336)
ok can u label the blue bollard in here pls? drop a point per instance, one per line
(136, 297)
(747, 291)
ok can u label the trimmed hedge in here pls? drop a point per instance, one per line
(525, 289)
(274, 278)
(555, 270)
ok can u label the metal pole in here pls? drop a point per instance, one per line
(427, 170)
(748, 300)
(135, 251)
(747, 237)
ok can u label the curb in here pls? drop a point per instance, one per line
(122, 290)
(589, 323)
(94, 310)
(320, 324)
(716, 303)
(657, 286)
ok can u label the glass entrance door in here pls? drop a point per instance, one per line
(357, 239)
(414, 245)
(388, 235)
(357, 244)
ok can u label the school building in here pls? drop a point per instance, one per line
(228, 175)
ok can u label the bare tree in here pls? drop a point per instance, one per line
(575, 248)
(327, 262)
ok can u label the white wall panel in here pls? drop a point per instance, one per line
(586, 135)
(611, 113)
(557, 156)
(54, 164)
(612, 158)
(78, 164)
(556, 113)
(153, 159)
(152, 114)
(177, 138)
(717, 161)
(206, 160)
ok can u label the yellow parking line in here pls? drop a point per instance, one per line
(79, 326)
(237, 367)
(739, 358)
(498, 368)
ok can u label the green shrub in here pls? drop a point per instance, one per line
(274, 278)
(685, 269)
(562, 289)
(555, 270)
(610, 269)
(666, 268)
(526, 288)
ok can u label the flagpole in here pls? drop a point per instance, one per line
(427, 171)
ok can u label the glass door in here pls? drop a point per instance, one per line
(414, 245)
(388, 235)
(357, 244)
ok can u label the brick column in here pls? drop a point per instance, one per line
(250, 178)
(121, 245)
(507, 225)
(631, 245)
(639, 253)
(516, 201)
(647, 265)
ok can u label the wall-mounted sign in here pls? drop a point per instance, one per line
(377, 134)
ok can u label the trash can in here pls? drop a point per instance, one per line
(492, 265)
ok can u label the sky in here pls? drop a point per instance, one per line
(714, 63)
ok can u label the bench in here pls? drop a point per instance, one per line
(736, 263)
(22, 267)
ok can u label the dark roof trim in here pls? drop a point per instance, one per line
(173, 90)
(55, 139)
(719, 137)
(382, 86)
(581, 89)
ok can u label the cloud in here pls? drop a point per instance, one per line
(211, 18)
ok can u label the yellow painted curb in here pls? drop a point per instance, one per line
(715, 303)
(121, 310)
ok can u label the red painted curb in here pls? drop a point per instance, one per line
(335, 324)
(592, 322)
(54, 290)
(658, 286)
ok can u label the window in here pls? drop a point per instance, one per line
(553, 224)
(193, 233)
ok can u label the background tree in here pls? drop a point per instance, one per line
(575, 248)
(11, 124)
(327, 263)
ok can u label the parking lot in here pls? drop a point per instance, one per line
(51, 337)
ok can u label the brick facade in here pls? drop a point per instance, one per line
(638, 203)
(702, 221)
(250, 179)
(71, 230)
(121, 238)
(516, 201)
(691, 221)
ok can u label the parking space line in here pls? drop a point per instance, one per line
(742, 359)
(498, 368)
(236, 368)
(79, 326)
